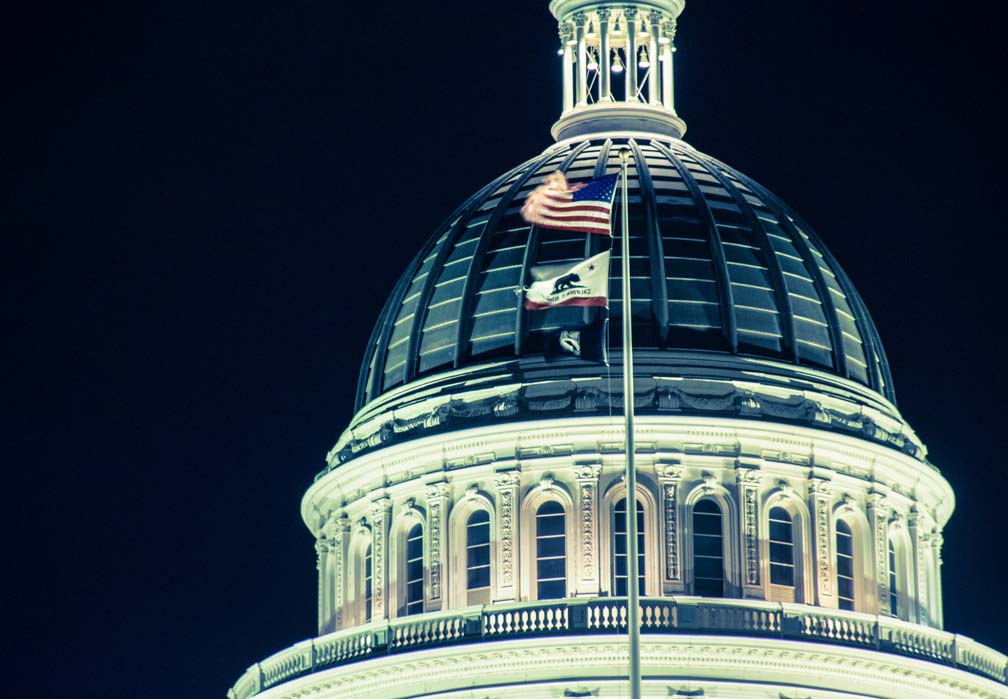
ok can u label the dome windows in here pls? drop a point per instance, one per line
(551, 551)
(708, 549)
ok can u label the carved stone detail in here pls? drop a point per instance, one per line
(587, 480)
(671, 531)
(878, 516)
(379, 510)
(820, 489)
(507, 488)
(748, 480)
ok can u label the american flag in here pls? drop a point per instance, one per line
(585, 207)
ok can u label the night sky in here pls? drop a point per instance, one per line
(209, 202)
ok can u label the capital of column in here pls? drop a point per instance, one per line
(507, 479)
(587, 472)
(380, 507)
(670, 471)
(820, 487)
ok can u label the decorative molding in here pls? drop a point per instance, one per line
(437, 497)
(507, 489)
(821, 489)
(748, 481)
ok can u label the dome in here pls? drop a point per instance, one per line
(720, 268)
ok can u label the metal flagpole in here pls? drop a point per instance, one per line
(633, 593)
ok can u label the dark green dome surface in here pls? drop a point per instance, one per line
(718, 264)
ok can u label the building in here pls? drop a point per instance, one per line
(471, 520)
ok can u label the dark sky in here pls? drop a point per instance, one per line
(210, 201)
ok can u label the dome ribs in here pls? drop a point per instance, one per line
(829, 309)
(727, 303)
(420, 315)
(386, 323)
(656, 251)
(467, 298)
(773, 264)
(521, 315)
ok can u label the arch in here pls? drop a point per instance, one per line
(900, 571)
(803, 585)
(710, 490)
(406, 590)
(548, 491)
(852, 566)
(460, 594)
(651, 569)
(359, 593)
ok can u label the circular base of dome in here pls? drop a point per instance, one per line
(618, 116)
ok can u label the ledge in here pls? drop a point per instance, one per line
(584, 617)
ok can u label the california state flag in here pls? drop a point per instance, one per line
(584, 284)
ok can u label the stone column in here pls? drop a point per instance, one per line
(604, 89)
(507, 536)
(654, 87)
(437, 528)
(586, 580)
(878, 519)
(630, 17)
(748, 477)
(331, 549)
(668, 77)
(669, 477)
(820, 490)
(379, 564)
(919, 527)
(580, 21)
(567, 55)
(937, 608)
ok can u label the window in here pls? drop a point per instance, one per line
(478, 551)
(893, 585)
(620, 572)
(845, 565)
(414, 570)
(782, 548)
(708, 549)
(368, 578)
(551, 551)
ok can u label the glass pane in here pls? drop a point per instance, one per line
(478, 577)
(550, 568)
(707, 545)
(781, 575)
(550, 547)
(781, 553)
(479, 555)
(550, 525)
(708, 567)
(552, 589)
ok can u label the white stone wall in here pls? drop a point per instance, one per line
(747, 467)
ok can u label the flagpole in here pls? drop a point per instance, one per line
(633, 593)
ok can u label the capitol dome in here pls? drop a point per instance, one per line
(472, 522)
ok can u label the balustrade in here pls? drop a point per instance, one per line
(608, 615)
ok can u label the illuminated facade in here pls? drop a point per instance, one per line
(470, 520)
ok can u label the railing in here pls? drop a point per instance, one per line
(672, 615)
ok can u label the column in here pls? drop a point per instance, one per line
(605, 91)
(630, 19)
(507, 536)
(917, 588)
(669, 477)
(580, 21)
(878, 519)
(937, 609)
(820, 491)
(331, 547)
(748, 477)
(668, 85)
(379, 564)
(654, 86)
(566, 36)
(437, 528)
(587, 582)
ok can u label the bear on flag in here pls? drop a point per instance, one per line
(583, 284)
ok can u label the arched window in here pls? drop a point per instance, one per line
(414, 570)
(620, 572)
(782, 548)
(478, 552)
(708, 549)
(368, 581)
(551, 551)
(845, 565)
